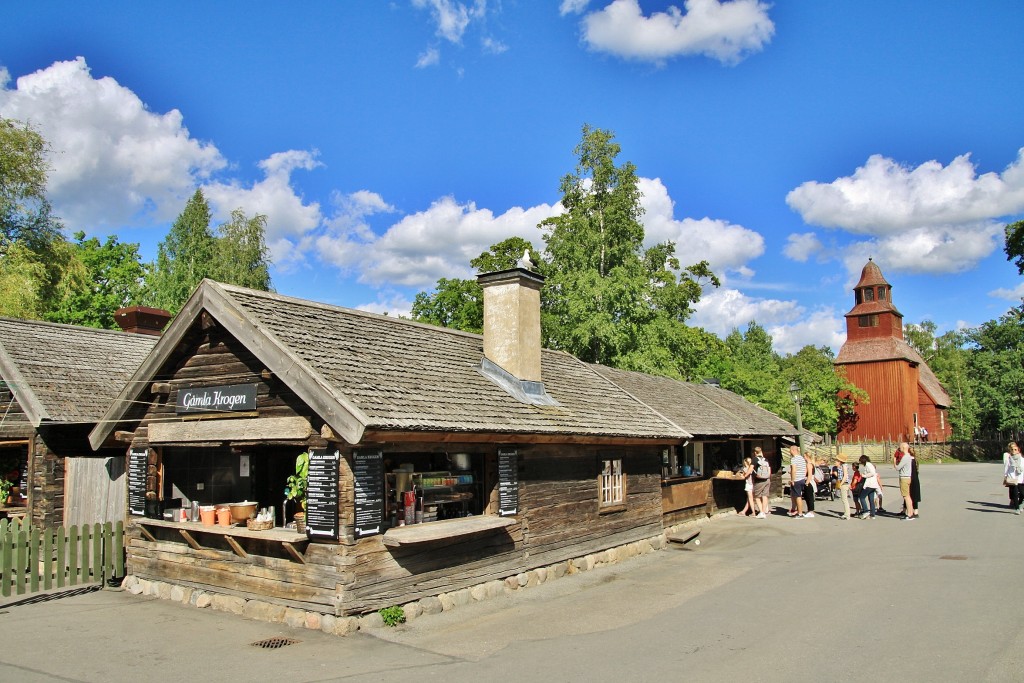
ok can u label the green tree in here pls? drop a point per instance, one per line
(112, 276)
(25, 215)
(753, 370)
(21, 274)
(997, 367)
(1015, 245)
(184, 257)
(606, 298)
(827, 397)
(241, 253)
(949, 359)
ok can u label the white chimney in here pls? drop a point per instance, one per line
(512, 321)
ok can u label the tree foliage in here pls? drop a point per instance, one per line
(241, 254)
(25, 216)
(996, 367)
(606, 297)
(1015, 245)
(237, 254)
(112, 276)
(949, 358)
(184, 257)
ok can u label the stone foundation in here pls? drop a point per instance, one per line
(445, 602)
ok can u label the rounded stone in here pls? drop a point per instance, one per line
(431, 605)
(371, 620)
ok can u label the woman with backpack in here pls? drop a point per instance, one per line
(762, 482)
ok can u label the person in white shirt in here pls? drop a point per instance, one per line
(903, 461)
(1013, 475)
(870, 474)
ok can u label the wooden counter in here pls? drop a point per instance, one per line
(191, 532)
(446, 528)
(686, 493)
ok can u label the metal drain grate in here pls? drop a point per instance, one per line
(274, 643)
(952, 557)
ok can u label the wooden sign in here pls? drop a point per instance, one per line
(368, 471)
(322, 495)
(224, 399)
(138, 464)
(508, 482)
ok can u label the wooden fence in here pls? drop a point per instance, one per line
(34, 559)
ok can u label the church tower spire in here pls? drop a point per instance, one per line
(873, 315)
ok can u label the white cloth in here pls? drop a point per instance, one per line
(1013, 466)
(870, 474)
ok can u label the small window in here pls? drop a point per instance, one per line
(860, 297)
(612, 483)
(881, 293)
(867, 321)
(869, 294)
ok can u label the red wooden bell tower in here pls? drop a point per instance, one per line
(904, 394)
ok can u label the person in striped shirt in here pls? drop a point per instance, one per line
(797, 480)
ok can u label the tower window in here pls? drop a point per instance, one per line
(867, 321)
(881, 293)
(869, 294)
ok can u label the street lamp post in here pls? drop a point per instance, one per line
(794, 392)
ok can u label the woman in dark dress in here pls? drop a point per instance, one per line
(915, 485)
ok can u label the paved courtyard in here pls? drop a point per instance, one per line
(768, 600)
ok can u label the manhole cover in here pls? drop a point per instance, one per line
(274, 643)
(953, 557)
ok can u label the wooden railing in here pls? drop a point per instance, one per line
(34, 559)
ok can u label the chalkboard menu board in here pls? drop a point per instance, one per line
(508, 482)
(138, 461)
(368, 470)
(322, 495)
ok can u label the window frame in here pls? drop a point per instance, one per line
(611, 481)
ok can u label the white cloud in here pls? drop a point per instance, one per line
(572, 6)
(722, 310)
(428, 245)
(724, 30)
(113, 160)
(430, 57)
(883, 197)
(389, 303)
(1015, 294)
(937, 250)
(493, 46)
(724, 245)
(803, 246)
(288, 217)
(452, 18)
(927, 219)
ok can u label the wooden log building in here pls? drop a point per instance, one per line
(439, 459)
(56, 381)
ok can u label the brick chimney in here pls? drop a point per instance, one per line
(142, 319)
(512, 321)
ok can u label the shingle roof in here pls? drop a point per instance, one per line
(65, 373)
(701, 409)
(361, 371)
(892, 348)
(871, 275)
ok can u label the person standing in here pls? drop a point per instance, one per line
(843, 478)
(797, 481)
(1013, 475)
(870, 474)
(915, 485)
(762, 482)
(903, 461)
(814, 477)
(748, 488)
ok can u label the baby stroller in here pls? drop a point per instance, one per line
(826, 484)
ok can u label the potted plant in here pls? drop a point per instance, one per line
(295, 489)
(5, 490)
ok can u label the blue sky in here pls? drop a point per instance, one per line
(391, 142)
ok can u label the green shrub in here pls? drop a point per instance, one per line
(393, 616)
